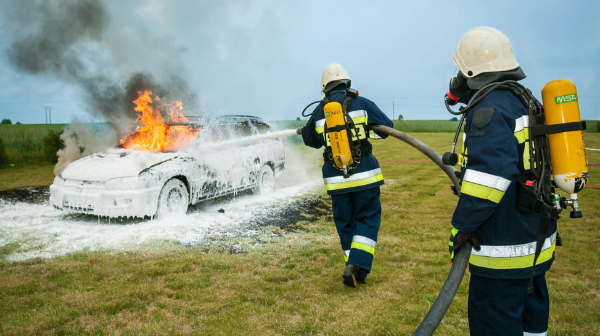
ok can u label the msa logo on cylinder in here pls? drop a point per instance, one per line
(566, 98)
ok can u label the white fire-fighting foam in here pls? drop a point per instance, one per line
(42, 231)
(113, 163)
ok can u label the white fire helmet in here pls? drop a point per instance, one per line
(484, 49)
(334, 72)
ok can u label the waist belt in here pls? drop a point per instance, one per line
(365, 149)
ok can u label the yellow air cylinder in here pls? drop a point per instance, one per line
(567, 151)
(340, 146)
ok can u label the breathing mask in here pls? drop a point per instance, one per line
(457, 87)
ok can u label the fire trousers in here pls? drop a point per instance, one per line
(357, 216)
(502, 307)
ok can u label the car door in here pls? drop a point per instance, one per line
(219, 164)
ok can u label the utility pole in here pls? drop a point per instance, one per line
(48, 111)
(393, 111)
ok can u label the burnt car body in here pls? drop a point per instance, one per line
(129, 183)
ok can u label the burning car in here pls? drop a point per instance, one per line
(150, 176)
(124, 182)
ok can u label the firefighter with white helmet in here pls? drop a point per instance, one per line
(507, 294)
(334, 75)
(354, 189)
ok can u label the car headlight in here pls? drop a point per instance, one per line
(124, 183)
(58, 181)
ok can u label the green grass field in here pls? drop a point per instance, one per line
(426, 126)
(24, 145)
(430, 126)
(292, 285)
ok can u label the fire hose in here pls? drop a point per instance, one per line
(461, 260)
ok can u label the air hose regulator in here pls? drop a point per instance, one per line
(458, 86)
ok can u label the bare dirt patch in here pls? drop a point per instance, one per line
(35, 195)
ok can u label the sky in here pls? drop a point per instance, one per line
(265, 58)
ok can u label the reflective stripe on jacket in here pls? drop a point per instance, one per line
(364, 113)
(494, 153)
(358, 179)
(512, 256)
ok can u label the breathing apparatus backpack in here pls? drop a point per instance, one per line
(343, 147)
(556, 152)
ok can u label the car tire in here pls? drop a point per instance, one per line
(173, 199)
(265, 180)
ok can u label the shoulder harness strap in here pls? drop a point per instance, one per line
(359, 148)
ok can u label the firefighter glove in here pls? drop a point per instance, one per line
(457, 239)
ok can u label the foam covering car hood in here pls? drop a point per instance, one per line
(114, 163)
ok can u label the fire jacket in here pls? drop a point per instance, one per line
(364, 113)
(495, 152)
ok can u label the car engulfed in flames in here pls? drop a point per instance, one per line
(162, 168)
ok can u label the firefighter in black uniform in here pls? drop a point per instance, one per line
(495, 154)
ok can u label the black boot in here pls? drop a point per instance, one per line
(349, 275)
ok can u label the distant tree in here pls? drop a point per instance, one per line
(6, 122)
(401, 117)
(3, 156)
(18, 123)
(298, 118)
(598, 126)
(454, 119)
(52, 143)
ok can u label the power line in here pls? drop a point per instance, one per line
(394, 98)
(411, 105)
(61, 110)
(23, 112)
(37, 111)
(39, 102)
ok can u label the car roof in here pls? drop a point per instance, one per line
(222, 119)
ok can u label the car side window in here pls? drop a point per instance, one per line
(262, 128)
(250, 127)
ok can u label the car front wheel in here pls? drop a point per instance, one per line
(265, 180)
(173, 199)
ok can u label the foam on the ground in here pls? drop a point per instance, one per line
(45, 232)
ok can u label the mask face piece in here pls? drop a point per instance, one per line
(458, 85)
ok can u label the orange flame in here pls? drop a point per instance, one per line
(154, 135)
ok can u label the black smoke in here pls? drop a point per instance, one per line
(65, 40)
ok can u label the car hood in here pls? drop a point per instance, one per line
(114, 163)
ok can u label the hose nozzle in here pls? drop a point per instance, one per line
(450, 159)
